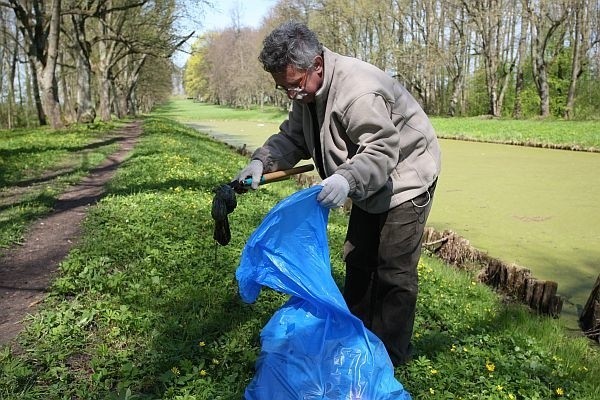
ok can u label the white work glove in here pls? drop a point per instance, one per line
(253, 170)
(335, 191)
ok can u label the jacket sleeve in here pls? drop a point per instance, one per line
(284, 149)
(368, 125)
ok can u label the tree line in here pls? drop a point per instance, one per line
(511, 58)
(65, 61)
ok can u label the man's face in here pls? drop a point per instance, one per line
(300, 84)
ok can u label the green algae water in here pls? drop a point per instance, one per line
(537, 208)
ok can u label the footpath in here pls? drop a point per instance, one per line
(26, 270)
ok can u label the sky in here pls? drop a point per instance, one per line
(219, 16)
(251, 12)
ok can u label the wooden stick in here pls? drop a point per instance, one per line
(281, 175)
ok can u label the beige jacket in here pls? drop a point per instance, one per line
(372, 132)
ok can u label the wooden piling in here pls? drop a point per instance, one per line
(511, 280)
(590, 316)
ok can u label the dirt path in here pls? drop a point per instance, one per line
(27, 270)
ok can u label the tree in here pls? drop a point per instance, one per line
(584, 36)
(495, 41)
(151, 87)
(40, 29)
(194, 79)
(521, 53)
(546, 20)
(78, 14)
(457, 54)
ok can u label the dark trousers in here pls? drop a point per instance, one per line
(381, 254)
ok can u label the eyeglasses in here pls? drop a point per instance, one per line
(295, 93)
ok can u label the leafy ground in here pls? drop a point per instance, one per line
(146, 307)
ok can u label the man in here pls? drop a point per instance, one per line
(372, 142)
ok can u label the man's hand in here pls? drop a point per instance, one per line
(335, 191)
(253, 170)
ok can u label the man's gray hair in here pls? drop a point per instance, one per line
(291, 43)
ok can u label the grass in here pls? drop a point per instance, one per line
(544, 133)
(186, 110)
(579, 135)
(146, 307)
(36, 165)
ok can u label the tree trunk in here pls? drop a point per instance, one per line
(580, 39)
(37, 98)
(457, 87)
(520, 79)
(11, 85)
(65, 92)
(41, 34)
(86, 112)
(543, 87)
(47, 71)
(49, 95)
(104, 85)
(131, 84)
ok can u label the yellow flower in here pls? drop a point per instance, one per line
(560, 391)
(499, 388)
(431, 391)
(201, 344)
(490, 366)
(511, 396)
(215, 361)
(202, 372)
(453, 349)
(175, 371)
(434, 371)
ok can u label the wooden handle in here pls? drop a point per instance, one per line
(285, 174)
(277, 176)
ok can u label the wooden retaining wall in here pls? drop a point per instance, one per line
(509, 279)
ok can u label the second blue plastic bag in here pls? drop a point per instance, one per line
(313, 347)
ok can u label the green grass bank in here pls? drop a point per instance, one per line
(147, 308)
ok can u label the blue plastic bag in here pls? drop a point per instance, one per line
(313, 347)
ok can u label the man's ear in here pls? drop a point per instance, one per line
(318, 64)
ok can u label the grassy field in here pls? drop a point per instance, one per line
(579, 135)
(146, 307)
